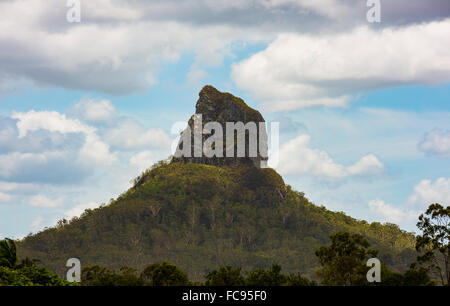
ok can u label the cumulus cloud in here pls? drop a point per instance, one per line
(51, 121)
(35, 141)
(49, 147)
(424, 193)
(298, 70)
(92, 110)
(130, 135)
(122, 57)
(427, 192)
(93, 150)
(119, 45)
(296, 157)
(40, 200)
(389, 213)
(436, 143)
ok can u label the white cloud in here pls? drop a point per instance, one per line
(368, 164)
(299, 70)
(142, 160)
(436, 143)
(427, 192)
(424, 193)
(122, 57)
(92, 110)
(392, 214)
(48, 120)
(40, 200)
(49, 147)
(297, 158)
(79, 209)
(93, 151)
(130, 135)
(119, 45)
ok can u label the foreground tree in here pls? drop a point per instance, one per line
(433, 244)
(100, 276)
(343, 263)
(412, 277)
(26, 273)
(225, 276)
(8, 254)
(262, 277)
(164, 274)
(229, 276)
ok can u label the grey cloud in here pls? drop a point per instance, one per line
(119, 45)
(298, 16)
(402, 12)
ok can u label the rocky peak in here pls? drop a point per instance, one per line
(222, 107)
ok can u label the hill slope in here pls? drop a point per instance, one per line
(202, 216)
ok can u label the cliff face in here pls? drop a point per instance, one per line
(223, 108)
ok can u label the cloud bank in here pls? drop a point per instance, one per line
(301, 70)
(296, 157)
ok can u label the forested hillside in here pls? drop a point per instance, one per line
(199, 217)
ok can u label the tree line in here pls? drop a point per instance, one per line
(342, 263)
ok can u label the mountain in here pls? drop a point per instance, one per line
(199, 213)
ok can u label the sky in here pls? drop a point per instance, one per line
(363, 107)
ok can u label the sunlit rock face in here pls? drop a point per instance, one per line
(245, 142)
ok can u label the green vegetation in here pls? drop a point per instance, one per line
(199, 217)
(27, 273)
(8, 253)
(164, 274)
(434, 243)
(342, 263)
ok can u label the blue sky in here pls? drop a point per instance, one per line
(364, 108)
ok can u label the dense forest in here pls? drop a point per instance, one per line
(200, 217)
(342, 263)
